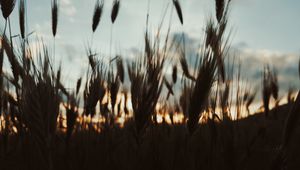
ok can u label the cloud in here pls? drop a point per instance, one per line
(43, 31)
(253, 61)
(285, 64)
(68, 8)
(66, 2)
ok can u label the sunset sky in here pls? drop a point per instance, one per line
(262, 30)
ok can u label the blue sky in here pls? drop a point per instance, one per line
(262, 30)
(258, 24)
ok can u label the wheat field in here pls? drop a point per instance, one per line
(132, 115)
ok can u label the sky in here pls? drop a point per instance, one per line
(263, 31)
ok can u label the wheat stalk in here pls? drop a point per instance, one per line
(174, 74)
(185, 67)
(7, 6)
(274, 85)
(201, 90)
(146, 80)
(22, 18)
(169, 87)
(114, 85)
(290, 97)
(120, 69)
(94, 90)
(72, 114)
(54, 14)
(178, 10)
(220, 9)
(250, 100)
(78, 84)
(224, 98)
(97, 14)
(115, 10)
(40, 105)
(266, 91)
(148, 49)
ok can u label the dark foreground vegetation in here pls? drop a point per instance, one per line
(44, 125)
(251, 143)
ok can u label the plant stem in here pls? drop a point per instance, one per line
(110, 44)
(54, 51)
(11, 42)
